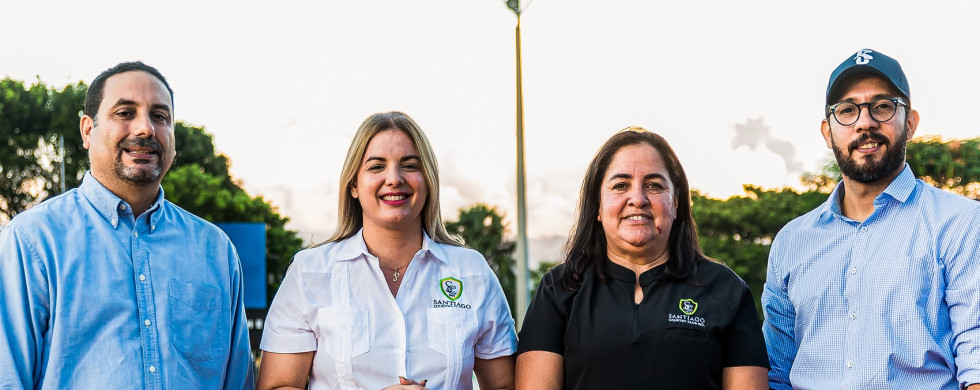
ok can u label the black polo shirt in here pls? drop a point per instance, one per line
(679, 337)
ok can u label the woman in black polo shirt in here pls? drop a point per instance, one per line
(635, 303)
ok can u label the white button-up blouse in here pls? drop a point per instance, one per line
(334, 300)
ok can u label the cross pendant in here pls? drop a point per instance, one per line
(394, 276)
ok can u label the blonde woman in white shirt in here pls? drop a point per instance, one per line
(391, 300)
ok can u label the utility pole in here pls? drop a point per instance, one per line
(522, 254)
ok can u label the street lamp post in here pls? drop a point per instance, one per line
(522, 254)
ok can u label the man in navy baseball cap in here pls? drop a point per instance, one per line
(877, 287)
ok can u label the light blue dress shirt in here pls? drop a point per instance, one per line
(892, 302)
(93, 297)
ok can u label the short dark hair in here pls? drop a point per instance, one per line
(586, 246)
(93, 98)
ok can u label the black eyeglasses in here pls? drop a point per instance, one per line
(881, 110)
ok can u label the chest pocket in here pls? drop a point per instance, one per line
(901, 286)
(343, 333)
(453, 332)
(196, 321)
(686, 345)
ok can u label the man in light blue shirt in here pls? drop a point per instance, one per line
(109, 286)
(879, 287)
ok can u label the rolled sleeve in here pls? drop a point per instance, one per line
(25, 306)
(288, 328)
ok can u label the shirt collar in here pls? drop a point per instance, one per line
(899, 189)
(354, 247)
(112, 207)
(621, 273)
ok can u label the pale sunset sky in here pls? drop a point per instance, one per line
(736, 87)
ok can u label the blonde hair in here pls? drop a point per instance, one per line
(350, 217)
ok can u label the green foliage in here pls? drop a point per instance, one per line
(482, 228)
(952, 164)
(195, 146)
(537, 274)
(32, 119)
(823, 180)
(739, 230)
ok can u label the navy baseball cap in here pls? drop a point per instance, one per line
(873, 62)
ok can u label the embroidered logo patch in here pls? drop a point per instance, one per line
(452, 288)
(688, 306)
(863, 56)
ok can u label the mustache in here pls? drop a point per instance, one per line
(868, 137)
(143, 143)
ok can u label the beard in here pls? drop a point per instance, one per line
(872, 170)
(144, 173)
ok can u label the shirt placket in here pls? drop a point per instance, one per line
(397, 312)
(147, 310)
(859, 299)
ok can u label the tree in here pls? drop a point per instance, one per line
(537, 274)
(953, 165)
(31, 122)
(739, 230)
(482, 228)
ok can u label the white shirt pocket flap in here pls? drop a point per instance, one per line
(343, 331)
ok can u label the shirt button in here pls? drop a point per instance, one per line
(122, 207)
(154, 369)
(142, 277)
(849, 364)
(146, 322)
(853, 316)
(136, 234)
(113, 222)
(854, 270)
(864, 228)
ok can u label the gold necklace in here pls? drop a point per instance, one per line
(394, 277)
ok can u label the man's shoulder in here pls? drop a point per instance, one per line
(799, 230)
(803, 223)
(944, 200)
(48, 214)
(191, 221)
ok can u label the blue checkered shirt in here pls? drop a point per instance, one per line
(892, 302)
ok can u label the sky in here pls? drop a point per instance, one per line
(736, 87)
